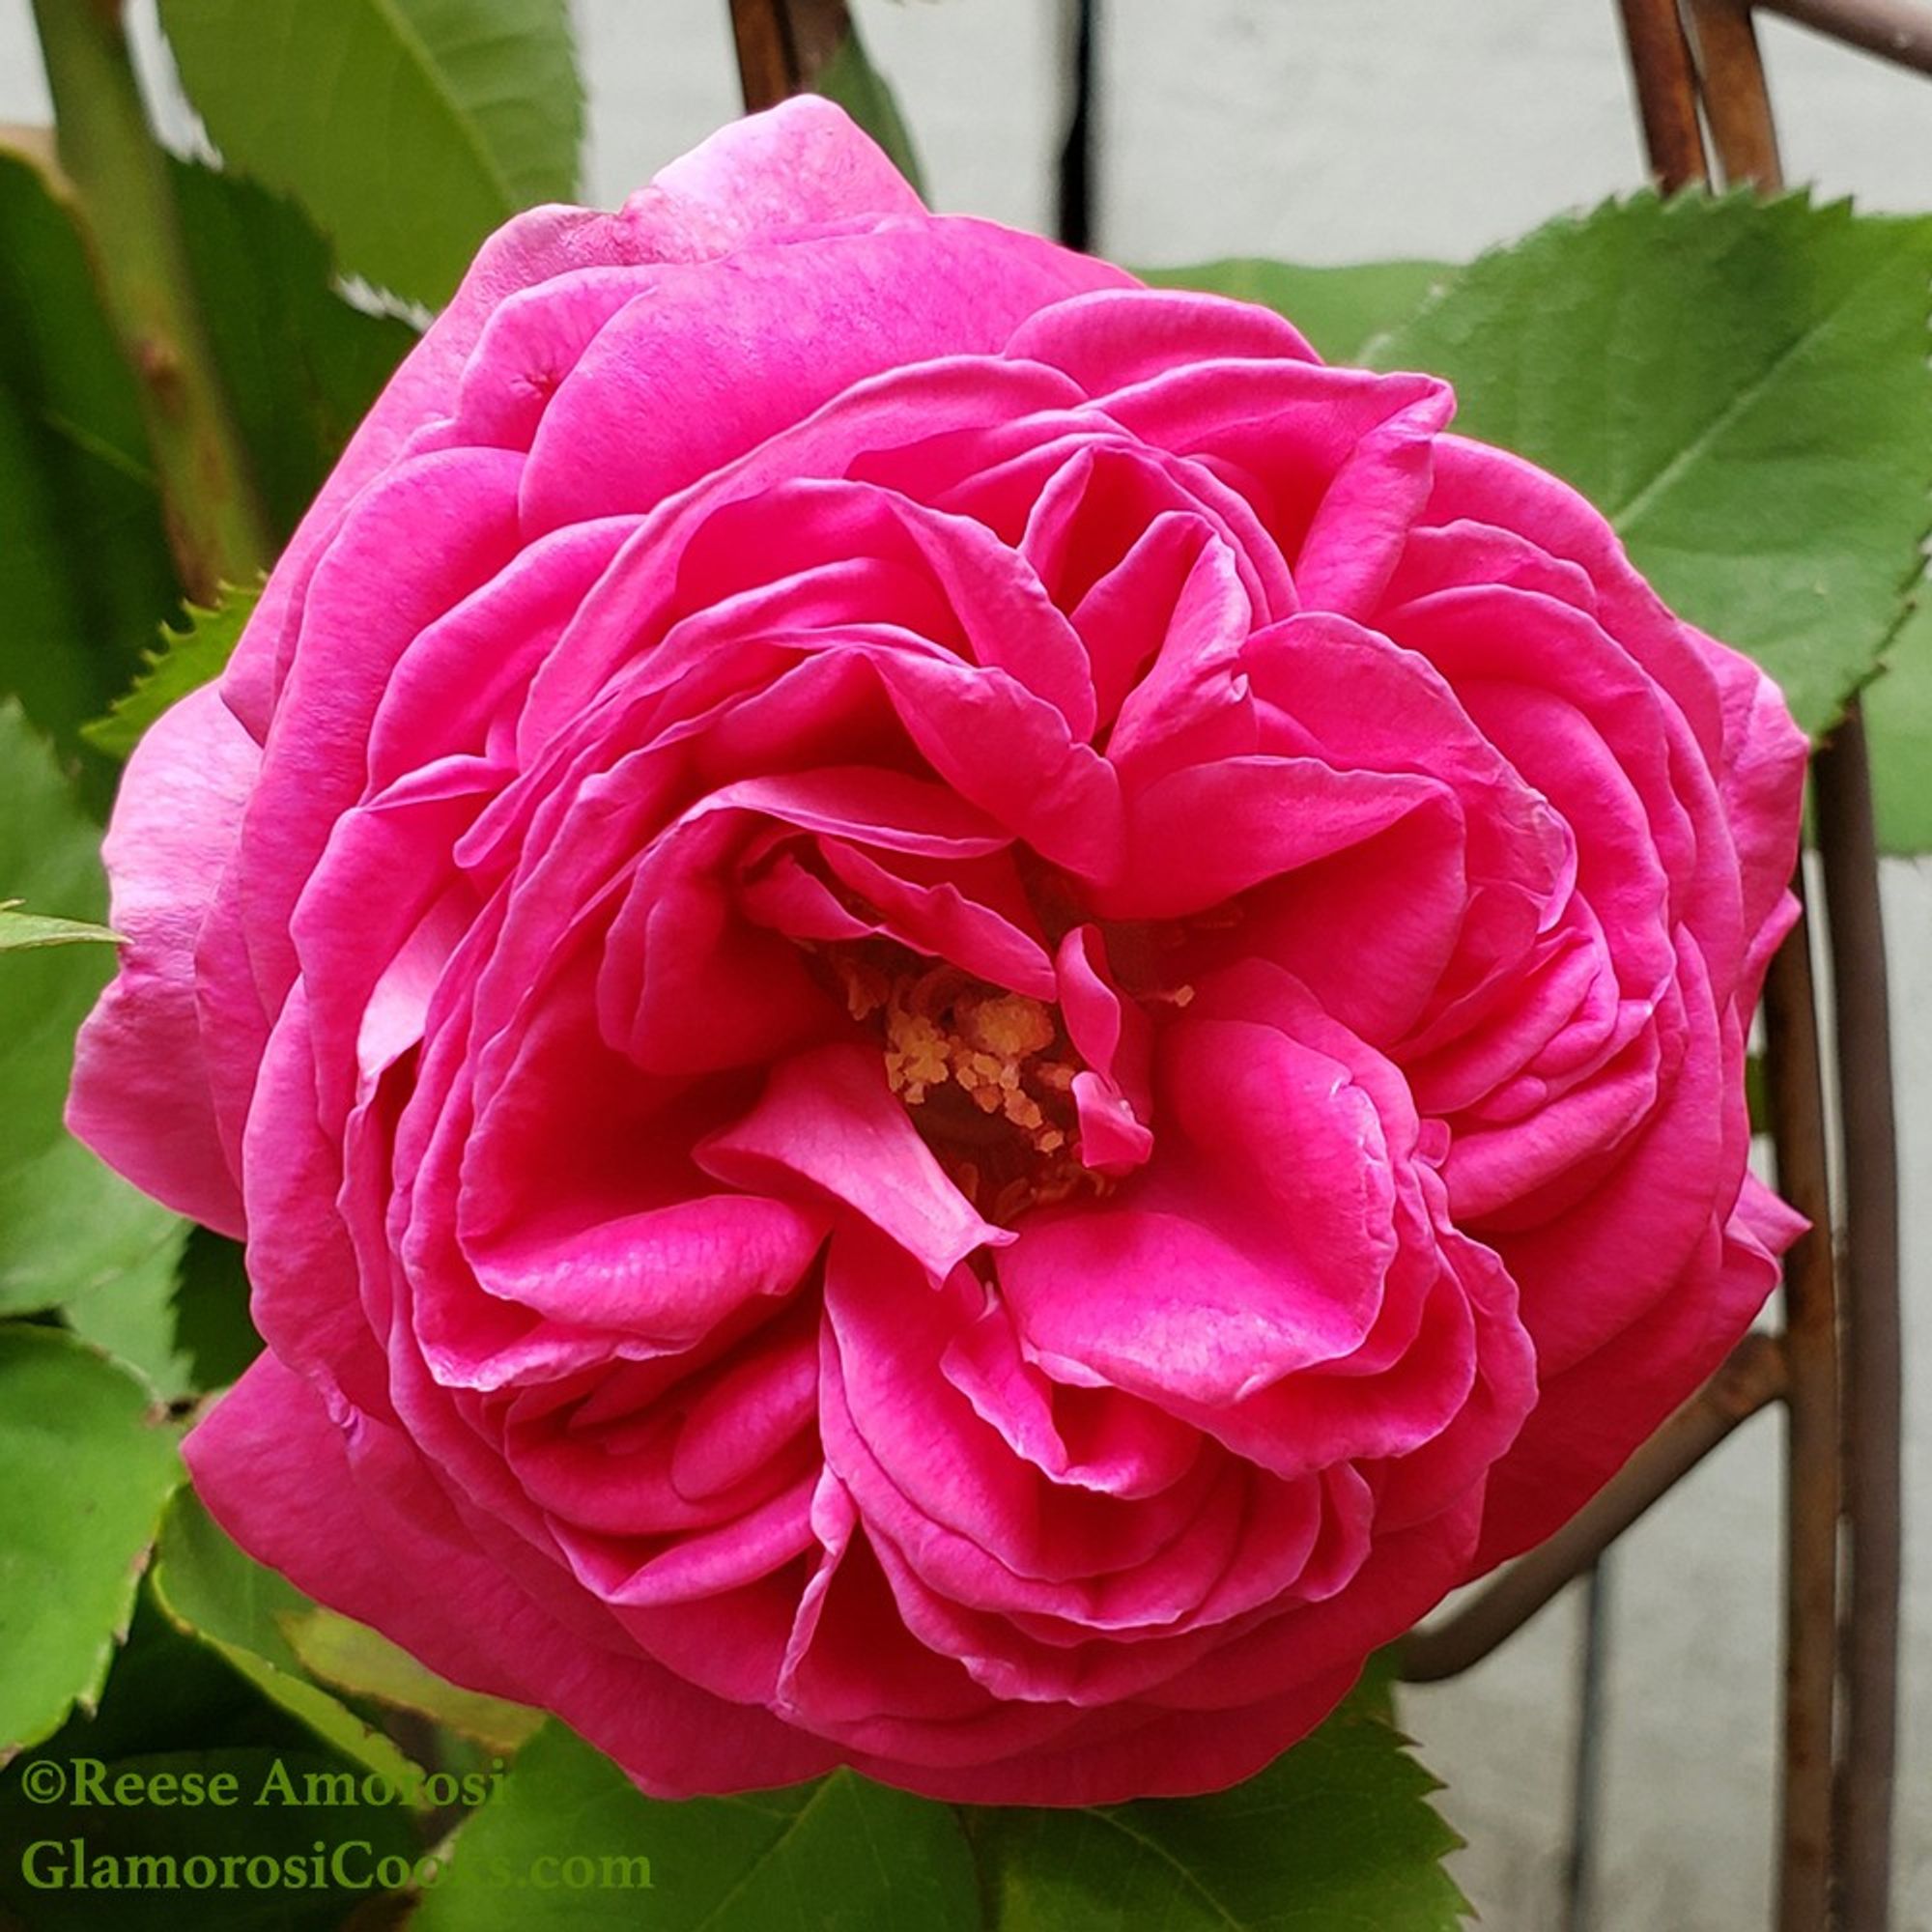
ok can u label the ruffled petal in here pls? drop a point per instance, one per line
(347, 1513)
(141, 1096)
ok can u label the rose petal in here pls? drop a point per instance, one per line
(350, 1517)
(141, 1096)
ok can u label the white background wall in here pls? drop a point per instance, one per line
(1333, 130)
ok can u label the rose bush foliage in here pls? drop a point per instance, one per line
(961, 1018)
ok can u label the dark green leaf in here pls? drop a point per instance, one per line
(168, 1691)
(84, 568)
(68, 1226)
(850, 78)
(186, 659)
(212, 1323)
(260, 1824)
(1740, 386)
(1341, 311)
(84, 1466)
(222, 1595)
(840, 1856)
(300, 365)
(408, 129)
(1337, 1835)
(1898, 723)
(171, 1703)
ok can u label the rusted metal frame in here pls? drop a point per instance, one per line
(1737, 107)
(1847, 847)
(1800, 1135)
(1857, 1854)
(1894, 30)
(1752, 1374)
(1666, 91)
(783, 45)
(1857, 1834)
(1837, 1803)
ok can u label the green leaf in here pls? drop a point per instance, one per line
(84, 1467)
(212, 1322)
(68, 1225)
(840, 1856)
(166, 1690)
(351, 1658)
(1740, 386)
(1341, 311)
(84, 569)
(850, 78)
(23, 931)
(222, 1595)
(186, 659)
(1899, 728)
(408, 129)
(1336, 1835)
(132, 1317)
(300, 366)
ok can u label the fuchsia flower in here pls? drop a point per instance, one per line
(961, 1019)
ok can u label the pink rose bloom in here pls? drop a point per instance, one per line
(961, 1019)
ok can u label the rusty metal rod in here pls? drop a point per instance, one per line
(1800, 1135)
(1752, 1374)
(783, 45)
(1872, 1397)
(1737, 107)
(1894, 30)
(1666, 92)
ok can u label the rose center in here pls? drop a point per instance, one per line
(985, 1074)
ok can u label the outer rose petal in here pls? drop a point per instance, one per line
(876, 299)
(1591, 1416)
(802, 163)
(352, 1515)
(140, 1094)
(1763, 768)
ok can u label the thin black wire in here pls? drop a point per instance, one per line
(1075, 215)
(1579, 1878)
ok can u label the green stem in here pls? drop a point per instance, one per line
(214, 520)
